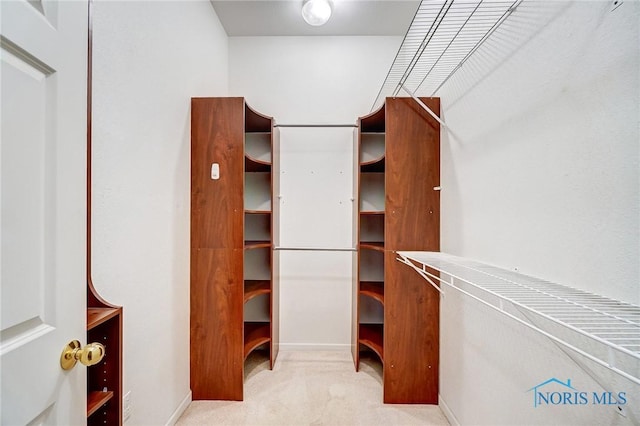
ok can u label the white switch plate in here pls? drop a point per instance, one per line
(215, 171)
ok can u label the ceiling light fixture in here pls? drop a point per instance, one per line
(316, 12)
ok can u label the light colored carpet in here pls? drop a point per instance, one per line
(311, 388)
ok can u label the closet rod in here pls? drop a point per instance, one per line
(314, 248)
(316, 125)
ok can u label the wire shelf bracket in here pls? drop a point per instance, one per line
(424, 106)
(611, 327)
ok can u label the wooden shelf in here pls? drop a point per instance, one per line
(374, 289)
(97, 399)
(257, 147)
(372, 148)
(374, 122)
(254, 122)
(248, 245)
(254, 165)
(255, 334)
(371, 335)
(372, 245)
(96, 316)
(375, 166)
(253, 288)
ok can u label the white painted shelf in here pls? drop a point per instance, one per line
(604, 330)
(442, 36)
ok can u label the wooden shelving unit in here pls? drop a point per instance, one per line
(394, 314)
(104, 380)
(233, 290)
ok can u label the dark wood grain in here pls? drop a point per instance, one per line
(217, 136)
(412, 171)
(374, 122)
(411, 311)
(255, 335)
(374, 289)
(411, 221)
(217, 324)
(253, 288)
(255, 121)
(96, 316)
(218, 221)
(96, 399)
(373, 245)
(252, 165)
(248, 245)
(372, 336)
(377, 166)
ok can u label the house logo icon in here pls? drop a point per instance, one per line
(564, 396)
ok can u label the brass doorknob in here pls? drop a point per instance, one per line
(74, 352)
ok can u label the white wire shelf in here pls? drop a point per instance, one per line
(607, 330)
(442, 36)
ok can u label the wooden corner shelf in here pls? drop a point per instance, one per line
(371, 335)
(255, 334)
(372, 245)
(257, 212)
(255, 165)
(97, 316)
(248, 245)
(97, 399)
(375, 166)
(373, 289)
(253, 288)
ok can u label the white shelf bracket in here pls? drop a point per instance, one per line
(423, 273)
(424, 106)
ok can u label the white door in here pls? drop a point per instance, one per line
(43, 51)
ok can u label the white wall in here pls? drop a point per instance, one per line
(540, 173)
(150, 58)
(313, 80)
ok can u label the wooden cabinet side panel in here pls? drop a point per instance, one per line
(411, 336)
(217, 346)
(217, 136)
(412, 148)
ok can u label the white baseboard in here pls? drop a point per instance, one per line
(315, 347)
(181, 409)
(447, 411)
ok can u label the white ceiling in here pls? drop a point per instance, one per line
(283, 18)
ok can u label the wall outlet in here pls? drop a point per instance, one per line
(126, 406)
